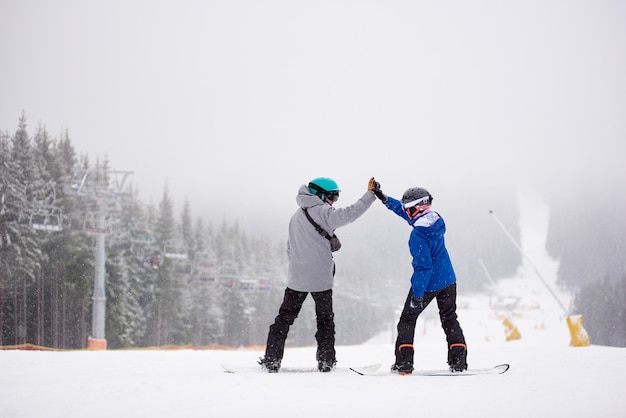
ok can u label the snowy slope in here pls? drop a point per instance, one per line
(547, 377)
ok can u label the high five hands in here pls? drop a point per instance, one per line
(374, 186)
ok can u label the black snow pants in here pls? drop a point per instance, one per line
(446, 301)
(287, 314)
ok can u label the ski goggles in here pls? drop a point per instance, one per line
(333, 195)
(415, 210)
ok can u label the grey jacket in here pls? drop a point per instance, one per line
(311, 265)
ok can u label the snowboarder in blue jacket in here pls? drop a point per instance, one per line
(433, 278)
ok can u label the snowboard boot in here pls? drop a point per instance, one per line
(269, 365)
(404, 360)
(326, 366)
(457, 357)
(402, 368)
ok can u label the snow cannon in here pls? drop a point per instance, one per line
(511, 333)
(580, 338)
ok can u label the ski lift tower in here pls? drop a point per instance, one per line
(103, 187)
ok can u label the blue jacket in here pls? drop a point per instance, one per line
(432, 268)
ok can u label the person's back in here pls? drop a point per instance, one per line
(433, 278)
(430, 256)
(311, 266)
(312, 269)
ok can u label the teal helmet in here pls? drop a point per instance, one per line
(324, 187)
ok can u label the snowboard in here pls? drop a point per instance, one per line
(499, 369)
(233, 368)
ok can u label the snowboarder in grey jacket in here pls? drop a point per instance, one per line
(311, 242)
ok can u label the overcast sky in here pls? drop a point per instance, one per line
(235, 104)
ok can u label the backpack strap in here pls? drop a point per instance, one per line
(318, 228)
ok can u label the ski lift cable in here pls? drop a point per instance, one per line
(524, 256)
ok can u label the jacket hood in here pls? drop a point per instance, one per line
(431, 225)
(305, 199)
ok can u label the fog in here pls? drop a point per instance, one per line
(234, 104)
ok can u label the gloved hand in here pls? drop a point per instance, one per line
(371, 185)
(416, 305)
(374, 187)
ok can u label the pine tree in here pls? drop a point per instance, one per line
(28, 251)
(12, 195)
(70, 266)
(203, 310)
(127, 274)
(187, 235)
(165, 320)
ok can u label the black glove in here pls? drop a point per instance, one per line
(379, 194)
(416, 305)
(375, 188)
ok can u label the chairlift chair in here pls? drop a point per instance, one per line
(49, 219)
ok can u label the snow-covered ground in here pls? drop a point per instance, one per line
(547, 378)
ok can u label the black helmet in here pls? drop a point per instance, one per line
(416, 196)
